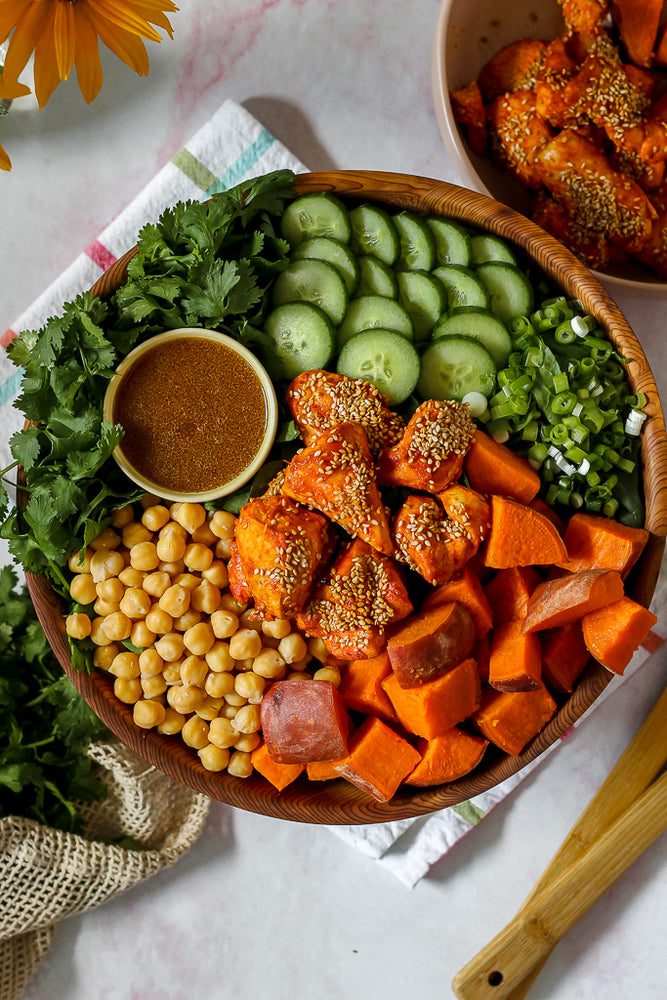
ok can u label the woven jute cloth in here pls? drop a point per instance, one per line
(46, 874)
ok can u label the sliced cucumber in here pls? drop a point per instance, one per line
(424, 299)
(479, 324)
(463, 287)
(417, 242)
(485, 247)
(300, 337)
(510, 290)
(454, 366)
(384, 358)
(312, 280)
(376, 277)
(315, 214)
(374, 311)
(333, 252)
(452, 242)
(373, 232)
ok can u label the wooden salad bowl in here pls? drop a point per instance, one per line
(338, 802)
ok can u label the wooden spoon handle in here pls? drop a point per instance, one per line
(504, 963)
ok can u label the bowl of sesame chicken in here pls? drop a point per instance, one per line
(559, 110)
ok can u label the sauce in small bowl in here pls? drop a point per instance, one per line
(199, 414)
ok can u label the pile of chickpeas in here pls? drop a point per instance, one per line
(157, 577)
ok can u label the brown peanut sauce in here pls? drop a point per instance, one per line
(194, 415)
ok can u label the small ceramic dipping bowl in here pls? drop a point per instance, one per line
(199, 414)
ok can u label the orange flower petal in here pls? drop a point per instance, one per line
(11, 12)
(152, 10)
(47, 75)
(5, 162)
(9, 89)
(89, 73)
(63, 34)
(116, 12)
(126, 46)
(25, 37)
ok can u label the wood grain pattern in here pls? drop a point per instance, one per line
(338, 802)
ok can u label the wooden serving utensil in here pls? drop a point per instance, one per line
(626, 814)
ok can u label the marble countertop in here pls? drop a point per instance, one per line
(261, 907)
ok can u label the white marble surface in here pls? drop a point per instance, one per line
(259, 907)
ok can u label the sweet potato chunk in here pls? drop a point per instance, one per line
(515, 661)
(428, 541)
(280, 775)
(361, 687)
(511, 720)
(466, 589)
(564, 656)
(521, 536)
(567, 599)
(509, 591)
(304, 721)
(492, 467)
(446, 758)
(430, 643)
(595, 542)
(378, 761)
(613, 633)
(436, 706)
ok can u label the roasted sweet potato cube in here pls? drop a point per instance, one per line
(511, 720)
(279, 545)
(614, 633)
(304, 720)
(378, 761)
(518, 133)
(428, 541)
(564, 656)
(596, 542)
(429, 643)
(515, 661)
(465, 588)
(360, 596)
(512, 68)
(430, 454)
(320, 400)
(280, 775)
(509, 591)
(335, 474)
(361, 687)
(446, 758)
(436, 706)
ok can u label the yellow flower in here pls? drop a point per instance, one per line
(64, 33)
(9, 89)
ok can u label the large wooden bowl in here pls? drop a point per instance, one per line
(339, 802)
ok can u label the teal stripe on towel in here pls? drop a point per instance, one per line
(243, 163)
(10, 387)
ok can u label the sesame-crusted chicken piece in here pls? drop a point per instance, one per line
(468, 110)
(592, 248)
(238, 582)
(280, 547)
(319, 400)
(578, 176)
(517, 133)
(335, 474)
(512, 68)
(469, 510)
(649, 176)
(637, 25)
(429, 542)
(654, 252)
(551, 98)
(584, 17)
(275, 486)
(360, 596)
(430, 454)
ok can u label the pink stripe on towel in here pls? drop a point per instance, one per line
(100, 255)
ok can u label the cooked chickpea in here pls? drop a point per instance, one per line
(106, 539)
(209, 708)
(104, 608)
(223, 524)
(194, 670)
(224, 623)
(125, 664)
(173, 722)
(172, 672)
(185, 698)
(229, 603)
(97, 634)
(243, 665)
(213, 758)
(187, 620)
(170, 646)
(217, 574)
(156, 583)
(205, 597)
(217, 685)
(247, 742)
(302, 664)
(134, 534)
(199, 639)
(79, 561)
(135, 603)
(331, 674)
(149, 500)
(155, 517)
(123, 516)
(78, 626)
(250, 686)
(159, 621)
(235, 699)
(175, 600)
(127, 689)
(219, 658)
(153, 687)
(222, 733)
(299, 675)
(132, 577)
(240, 764)
(150, 662)
(293, 647)
(204, 535)
(103, 655)
(317, 649)
(278, 628)
(117, 626)
(245, 643)
(141, 635)
(269, 664)
(148, 714)
(190, 515)
(171, 544)
(172, 568)
(223, 549)
(197, 557)
(83, 589)
(110, 590)
(188, 580)
(105, 563)
(228, 711)
(195, 733)
(144, 557)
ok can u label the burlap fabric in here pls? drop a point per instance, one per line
(46, 874)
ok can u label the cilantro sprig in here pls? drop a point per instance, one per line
(209, 265)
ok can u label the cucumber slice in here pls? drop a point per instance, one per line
(333, 252)
(510, 290)
(376, 277)
(373, 232)
(480, 325)
(484, 247)
(424, 299)
(300, 337)
(452, 242)
(463, 287)
(316, 214)
(454, 366)
(384, 358)
(312, 280)
(417, 243)
(374, 311)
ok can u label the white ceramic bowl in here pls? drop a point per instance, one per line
(467, 35)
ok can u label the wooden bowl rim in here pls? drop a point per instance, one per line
(340, 803)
